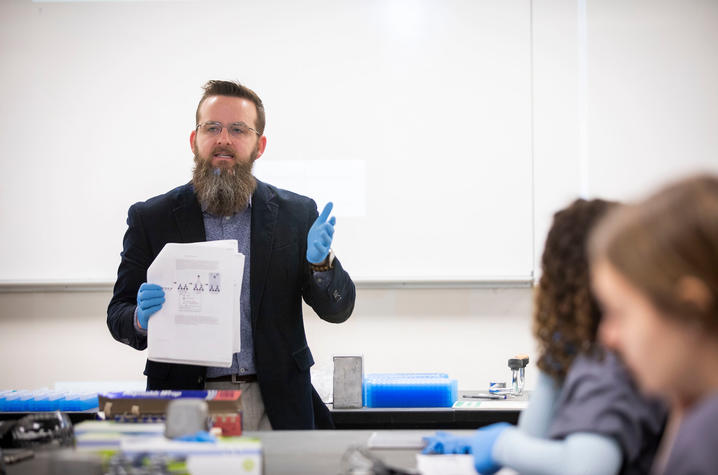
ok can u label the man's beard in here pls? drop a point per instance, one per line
(223, 191)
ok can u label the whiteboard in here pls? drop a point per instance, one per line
(424, 107)
(652, 101)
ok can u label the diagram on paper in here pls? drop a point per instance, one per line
(192, 287)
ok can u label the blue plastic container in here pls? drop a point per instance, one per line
(409, 390)
(3, 399)
(88, 401)
(24, 402)
(44, 400)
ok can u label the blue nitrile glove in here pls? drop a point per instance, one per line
(199, 436)
(150, 298)
(319, 239)
(482, 445)
(446, 443)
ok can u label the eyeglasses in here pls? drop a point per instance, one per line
(236, 129)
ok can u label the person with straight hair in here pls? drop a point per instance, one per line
(585, 415)
(655, 272)
(287, 245)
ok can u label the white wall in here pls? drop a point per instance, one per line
(652, 95)
(468, 333)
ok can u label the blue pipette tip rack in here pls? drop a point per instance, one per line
(409, 390)
(46, 400)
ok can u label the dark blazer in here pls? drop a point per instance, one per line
(280, 278)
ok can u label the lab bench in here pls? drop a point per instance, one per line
(284, 452)
(395, 418)
(318, 452)
(489, 412)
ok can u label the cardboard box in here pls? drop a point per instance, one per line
(147, 403)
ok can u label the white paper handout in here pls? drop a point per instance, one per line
(453, 464)
(199, 321)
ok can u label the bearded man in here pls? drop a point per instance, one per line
(286, 244)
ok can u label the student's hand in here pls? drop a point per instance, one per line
(319, 239)
(150, 298)
(445, 443)
(482, 445)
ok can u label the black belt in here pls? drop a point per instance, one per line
(233, 378)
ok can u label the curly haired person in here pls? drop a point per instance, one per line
(585, 415)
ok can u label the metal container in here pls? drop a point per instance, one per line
(347, 382)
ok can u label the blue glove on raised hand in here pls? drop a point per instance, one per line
(319, 239)
(482, 445)
(150, 298)
(446, 443)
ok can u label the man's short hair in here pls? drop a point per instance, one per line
(233, 89)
